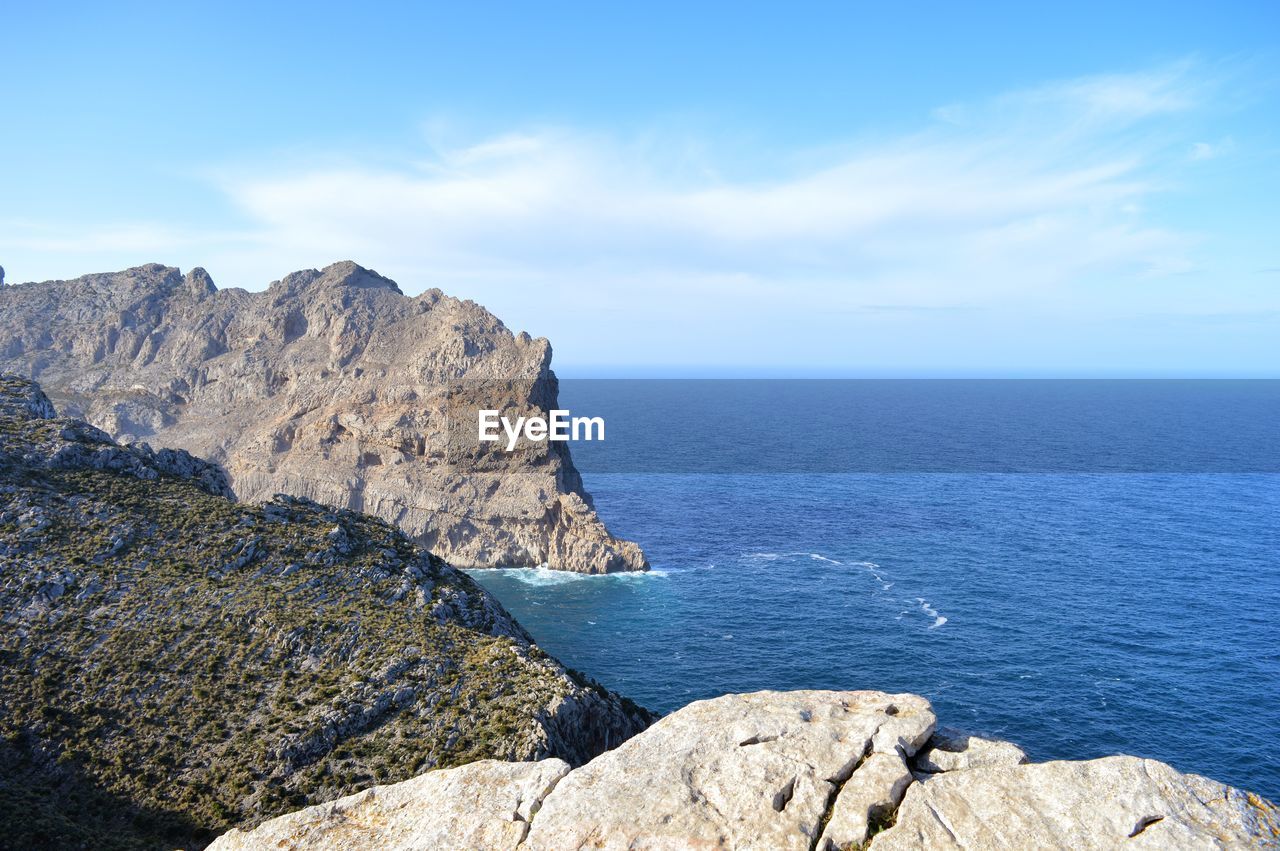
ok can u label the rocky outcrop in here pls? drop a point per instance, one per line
(332, 386)
(487, 804)
(789, 770)
(1118, 801)
(76, 445)
(743, 771)
(173, 663)
(953, 750)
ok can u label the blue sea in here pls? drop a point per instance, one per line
(1081, 567)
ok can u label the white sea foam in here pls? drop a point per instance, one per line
(871, 567)
(535, 575)
(938, 620)
(874, 569)
(544, 576)
(820, 557)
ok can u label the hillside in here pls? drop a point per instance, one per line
(173, 662)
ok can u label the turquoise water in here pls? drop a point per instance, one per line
(1077, 613)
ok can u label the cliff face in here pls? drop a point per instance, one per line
(330, 385)
(796, 770)
(173, 663)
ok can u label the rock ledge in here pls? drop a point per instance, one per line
(789, 770)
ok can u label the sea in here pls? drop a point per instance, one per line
(1081, 567)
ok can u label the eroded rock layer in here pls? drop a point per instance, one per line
(332, 386)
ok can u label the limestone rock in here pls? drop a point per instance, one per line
(483, 805)
(953, 750)
(1118, 801)
(23, 399)
(331, 385)
(781, 770)
(66, 444)
(743, 771)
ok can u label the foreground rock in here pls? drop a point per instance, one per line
(743, 771)
(955, 750)
(330, 385)
(1118, 801)
(173, 663)
(483, 805)
(783, 770)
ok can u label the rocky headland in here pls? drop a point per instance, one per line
(788, 770)
(173, 663)
(331, 385)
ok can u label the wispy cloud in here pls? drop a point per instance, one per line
(1028, 189)
(1022, 198)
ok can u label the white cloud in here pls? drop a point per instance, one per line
(1027, 190)
(1034, 198)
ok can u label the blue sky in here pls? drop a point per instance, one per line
(847, 189)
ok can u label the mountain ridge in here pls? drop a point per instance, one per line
(330, 385)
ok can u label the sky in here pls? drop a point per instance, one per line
(908, 189)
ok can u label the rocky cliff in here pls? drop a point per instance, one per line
(173, 663)
(330, 385)
(788, 770)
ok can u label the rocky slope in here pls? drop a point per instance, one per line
(173, 663)
(330, 385)
(788, 770)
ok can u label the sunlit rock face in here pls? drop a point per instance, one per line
(331, 385)
(788, 770)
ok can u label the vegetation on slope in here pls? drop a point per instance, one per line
(173, 663)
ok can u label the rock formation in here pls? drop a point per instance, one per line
(173, 663)
(788, 770)
(330, 385)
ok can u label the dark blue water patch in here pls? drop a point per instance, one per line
(1078, 615)
(929, 426)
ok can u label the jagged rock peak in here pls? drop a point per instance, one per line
(199, 284)
(23, 399)
(344, 273)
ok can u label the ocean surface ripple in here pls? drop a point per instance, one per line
(1077, 615)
